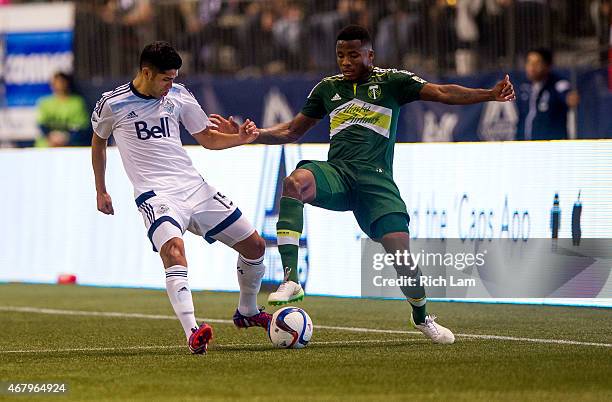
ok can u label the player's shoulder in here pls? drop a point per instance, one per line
(561, 84)
(120, 91)
(333, 78)
(391, 74)
(326, 82)
(180, 89)
(330, 79)
(111, 97)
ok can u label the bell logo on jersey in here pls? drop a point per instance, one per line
(144, 133)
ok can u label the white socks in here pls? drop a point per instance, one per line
(180, 297)
(249, 273)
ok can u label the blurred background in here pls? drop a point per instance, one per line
(259, 58)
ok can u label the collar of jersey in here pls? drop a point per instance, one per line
(135, 92)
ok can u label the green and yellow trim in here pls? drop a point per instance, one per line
(285, 236)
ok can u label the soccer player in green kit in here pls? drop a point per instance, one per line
(363, 103)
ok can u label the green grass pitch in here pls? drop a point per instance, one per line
(48, 335)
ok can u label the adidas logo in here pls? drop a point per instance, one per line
(132, 115)
(336, 97)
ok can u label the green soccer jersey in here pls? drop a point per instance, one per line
(363, 115)
(66, 114)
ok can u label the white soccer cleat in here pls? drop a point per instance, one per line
(434, 331)
(287, 292)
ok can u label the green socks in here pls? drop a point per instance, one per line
(414, 294)
(288, 232)
(419, 312)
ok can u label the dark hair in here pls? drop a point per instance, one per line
(66, 77)
(545, 54)
(161, 56)
(354, 32)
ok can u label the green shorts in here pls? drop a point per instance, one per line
(368, 191)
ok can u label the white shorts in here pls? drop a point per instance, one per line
(213, 217)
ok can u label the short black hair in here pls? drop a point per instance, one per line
(545, 53)
(67, 78)
(64, 76)
(161, 56)
(354, 32)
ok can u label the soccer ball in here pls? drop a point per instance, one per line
(291, 328)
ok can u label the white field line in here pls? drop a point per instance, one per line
(213, 346)
(347, 329)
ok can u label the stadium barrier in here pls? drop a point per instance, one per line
(51, 226)
(272, 100)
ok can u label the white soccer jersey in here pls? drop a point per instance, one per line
(146, 131)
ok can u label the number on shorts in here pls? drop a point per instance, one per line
(223, 200)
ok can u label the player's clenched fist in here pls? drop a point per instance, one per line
(105, 203)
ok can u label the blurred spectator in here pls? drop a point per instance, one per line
(134, 13)
(601, 13)
(210, 34)
(494, 22)
(277, 36)
(325, 25)
(199, 14)
(258, 49)
(443, 33)
(491, 32)
(130, 27)
(468, 35)
(532, 22)
(289, 36)
(574, 18)
(396, 34)
(62, 116)
(544, 101)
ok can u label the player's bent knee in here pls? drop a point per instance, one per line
(253, 247)
(173, 252)
(259, 245)
(292, 187)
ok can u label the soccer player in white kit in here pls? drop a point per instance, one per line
(143, 116)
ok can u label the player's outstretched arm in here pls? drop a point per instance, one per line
(212, 138)
(503, 91)
(286, 132)
(98, 161)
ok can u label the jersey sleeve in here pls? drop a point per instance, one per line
(102, 119)
(407, 86)
(191, 115)
(314, 106)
